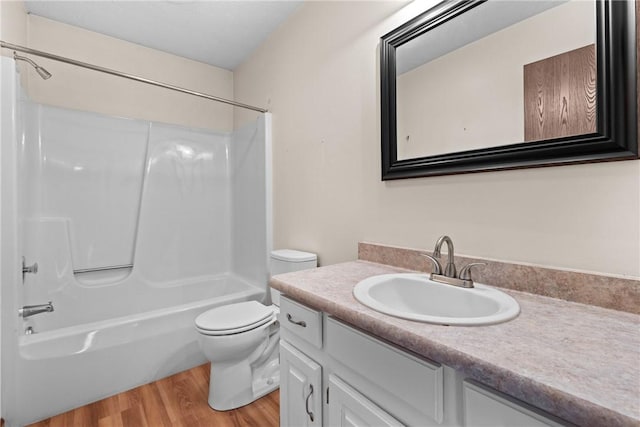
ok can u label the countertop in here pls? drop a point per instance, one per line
(576, 361)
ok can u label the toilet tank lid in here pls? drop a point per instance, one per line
(291, 255)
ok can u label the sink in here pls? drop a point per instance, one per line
(416, 297)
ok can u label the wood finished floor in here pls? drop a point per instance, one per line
(179, 400)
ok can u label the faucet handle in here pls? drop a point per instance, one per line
(436, 264)
(465, 273)
(33, 268)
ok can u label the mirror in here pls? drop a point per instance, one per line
(473, 86)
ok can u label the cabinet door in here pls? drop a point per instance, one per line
(410, 387)
(348, 408)
(486, 407)
(300, 389)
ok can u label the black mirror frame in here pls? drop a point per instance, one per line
(617, 123)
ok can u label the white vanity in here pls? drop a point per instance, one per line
(344, 364)
(333, 374)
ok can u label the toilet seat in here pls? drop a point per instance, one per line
(235, 318)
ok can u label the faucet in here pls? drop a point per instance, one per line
(449, 274)
(33, 268)
(450, 269)
(30, 310)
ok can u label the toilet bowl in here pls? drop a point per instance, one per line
(241, 341)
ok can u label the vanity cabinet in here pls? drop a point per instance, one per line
(311, 385)
(332, 374)
(300, 388)
(300, 375)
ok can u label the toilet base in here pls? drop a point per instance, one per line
(238, 384)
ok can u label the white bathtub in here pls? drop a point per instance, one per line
(68, 367)
(186, 211)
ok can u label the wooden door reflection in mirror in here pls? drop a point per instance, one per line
(560, 95)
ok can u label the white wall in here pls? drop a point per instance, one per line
(13, 24)
(319, 75)
(87, 90)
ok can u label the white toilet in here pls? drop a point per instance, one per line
(241, 341)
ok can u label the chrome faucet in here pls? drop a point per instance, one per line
(448, 275)
(450, 269)
(30, 310)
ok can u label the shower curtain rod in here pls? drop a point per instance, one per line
(126, 75)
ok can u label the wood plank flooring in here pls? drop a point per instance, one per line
(176, 401)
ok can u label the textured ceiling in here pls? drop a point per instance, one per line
(220, 33)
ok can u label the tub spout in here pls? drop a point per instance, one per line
(30, 310)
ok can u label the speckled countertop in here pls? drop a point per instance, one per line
(578, 362)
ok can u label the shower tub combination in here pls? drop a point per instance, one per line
(137, 227)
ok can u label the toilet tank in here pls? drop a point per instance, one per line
(288, 260)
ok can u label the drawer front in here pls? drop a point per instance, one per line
(348, 408)
(302, 321)
(486, 407)
(414, 381)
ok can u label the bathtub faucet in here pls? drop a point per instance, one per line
(30, 310)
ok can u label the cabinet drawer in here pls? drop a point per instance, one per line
(303, 321)
(486, 407)
(414, 381)
(349, 408)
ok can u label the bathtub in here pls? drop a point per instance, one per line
(137, 228)
(64, 368)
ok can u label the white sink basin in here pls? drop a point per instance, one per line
(416, 297)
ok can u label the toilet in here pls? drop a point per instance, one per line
(241, 341)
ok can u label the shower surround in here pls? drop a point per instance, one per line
(137, 227)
